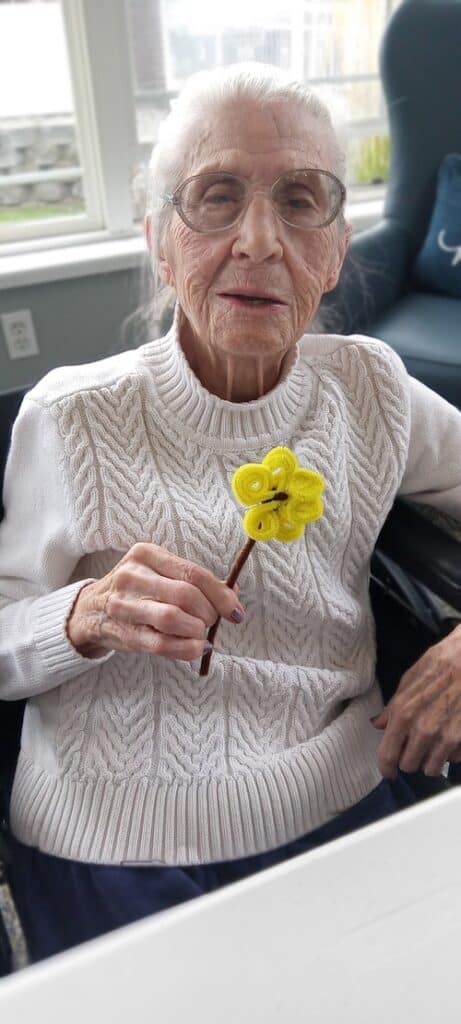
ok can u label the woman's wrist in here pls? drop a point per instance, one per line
(77, 630)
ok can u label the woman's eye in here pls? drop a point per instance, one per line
(217, 198)
(300, 202)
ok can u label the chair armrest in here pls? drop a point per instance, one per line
(372, 279)
(424, 550)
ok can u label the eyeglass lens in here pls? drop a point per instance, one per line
(305, 199)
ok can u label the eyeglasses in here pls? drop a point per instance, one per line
(307, 198)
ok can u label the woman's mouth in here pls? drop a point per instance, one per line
(250, 301)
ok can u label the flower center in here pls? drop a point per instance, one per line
(280, 496)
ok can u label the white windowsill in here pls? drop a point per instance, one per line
(70, 260)
(100, 254)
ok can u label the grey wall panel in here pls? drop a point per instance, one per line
(76, 321)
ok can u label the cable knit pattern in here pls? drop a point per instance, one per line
(139, 759)
(123, 720)
(78, 449)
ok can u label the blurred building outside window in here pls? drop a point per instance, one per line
(331, 45)
(47, 180)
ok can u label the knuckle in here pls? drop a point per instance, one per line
(423, 731)
(113, 604)
(123, 577)
(192, 574)
(157, 643)
(138, 552)
(168, 619)
(193, 651)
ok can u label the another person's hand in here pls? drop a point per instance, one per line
(422, 722)
(151, 601)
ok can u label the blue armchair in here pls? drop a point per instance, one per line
(377, 294)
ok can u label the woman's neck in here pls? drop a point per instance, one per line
(239, 378)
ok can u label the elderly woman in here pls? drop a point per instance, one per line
(141, 783)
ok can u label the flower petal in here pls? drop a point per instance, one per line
(282, 463)
(288, 528)
(305, 511)
(261, 523)
(251, 483)
(306, 484)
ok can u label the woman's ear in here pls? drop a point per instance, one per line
(163, 267)
(148, 231)
(340, 255)
(165, 271)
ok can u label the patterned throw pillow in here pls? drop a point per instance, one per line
(438, 266)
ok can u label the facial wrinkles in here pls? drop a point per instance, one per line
(230, 275)
(205, 267)
(194, 293)
(223, 148)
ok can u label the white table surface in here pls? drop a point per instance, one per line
(366, 929)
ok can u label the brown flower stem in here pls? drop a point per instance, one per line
(231, 579)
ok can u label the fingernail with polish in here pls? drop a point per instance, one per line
(207, 648)
(237, 615)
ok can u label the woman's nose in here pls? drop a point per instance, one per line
(258, 232)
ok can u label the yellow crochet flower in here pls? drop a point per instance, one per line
(284, 497)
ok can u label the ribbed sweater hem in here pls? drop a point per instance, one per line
(144, 821)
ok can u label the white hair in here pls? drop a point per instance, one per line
(203, 95)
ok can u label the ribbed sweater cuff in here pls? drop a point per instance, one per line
(52, 642)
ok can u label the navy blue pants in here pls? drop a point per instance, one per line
(63, 902)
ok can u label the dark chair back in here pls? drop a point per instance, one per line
(377, 294)
(420, 64)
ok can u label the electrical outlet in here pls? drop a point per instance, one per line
(18, 328)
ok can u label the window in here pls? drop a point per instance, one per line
(332, 44)
(77, 129)
(43, 188)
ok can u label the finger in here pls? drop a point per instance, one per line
(144, 640)
(455, 756)
(417, 748)
(437, 759)
(380, 721)
(164, 618)
(391, 747)
(140, 581)
(222, 598)
(177, 648)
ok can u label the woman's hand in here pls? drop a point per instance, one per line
(422, 722)
(151, 601)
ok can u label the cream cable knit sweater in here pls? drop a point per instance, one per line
(138, 759)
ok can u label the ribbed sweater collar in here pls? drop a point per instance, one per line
(213, 422)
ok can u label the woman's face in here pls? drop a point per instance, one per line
(260, 255)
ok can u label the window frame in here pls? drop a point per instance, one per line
(104, 123)
(105, 114)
